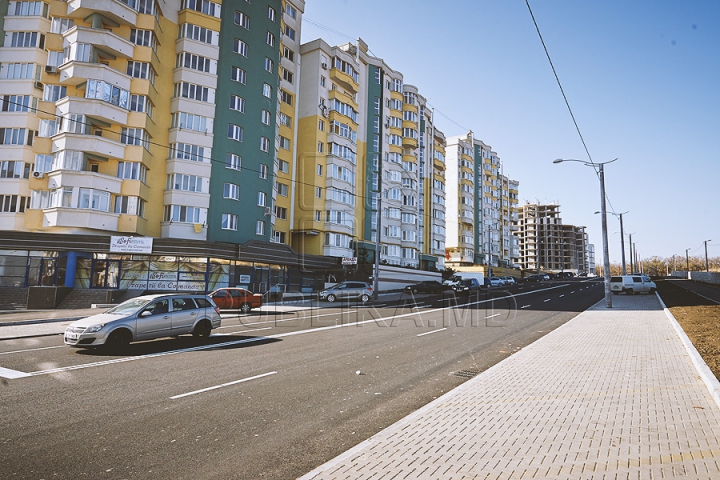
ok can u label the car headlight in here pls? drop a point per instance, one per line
(94, 328)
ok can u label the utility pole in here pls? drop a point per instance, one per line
(707, 265)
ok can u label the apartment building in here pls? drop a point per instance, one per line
(481, 205)
(172, 122)
(546, 244)
(365, 175)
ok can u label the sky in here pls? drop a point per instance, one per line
(642, 79)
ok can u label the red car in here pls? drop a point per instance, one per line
(236, 298)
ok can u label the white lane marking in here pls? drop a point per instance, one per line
(301, 318)
(547, 300)
(428, 333)
(10, 374)
(573, 291)
(32, 349)
(525, 306)
(491, 316)
(562, 296)
(221, 386)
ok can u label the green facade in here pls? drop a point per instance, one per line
(252, 158)
(372, 165)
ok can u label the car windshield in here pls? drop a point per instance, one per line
(129, 306)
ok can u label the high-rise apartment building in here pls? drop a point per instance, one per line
(481, 204)
(369, 156)
(549, 245)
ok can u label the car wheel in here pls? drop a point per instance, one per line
(630, 291)
(245, 308)
(202, 329)
(364, 297)
(615, 293)
(331, 298)
(118, 340)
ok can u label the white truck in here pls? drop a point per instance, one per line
(459, 276)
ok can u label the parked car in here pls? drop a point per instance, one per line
(509, 280)
(496, 282)
(144, 318)
(236, 298)
(347, 290)
(467, 286)
(540, 277)
(428, 286)
(632, 284)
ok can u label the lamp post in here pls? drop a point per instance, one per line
(622, 239)
(603, 211)
(687, 262)
(707, 265)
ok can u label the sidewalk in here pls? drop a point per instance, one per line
(611, 394)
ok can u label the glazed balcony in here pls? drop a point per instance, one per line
(110, 9)
(75, 72)
(101, 39)
(94, 108)
(95, 144)
(83, 179)
(80, 218)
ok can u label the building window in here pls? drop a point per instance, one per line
(233, 161)
(267, 90)
(271, 14)
(195, 62)
(231, 191)
(94, 199)
(319, 170)
(29, 9)
(270, 39)
(132, 171)
(235, 132)
(288, 75)
(240, 47)
(242, 20)
(290, 11)
(289, 32)
(269, 65)
(130, 206)
(192, 91)
(286, 97)
(260, 227)
(186, 151)
(205, 6)
(283, 166)
(264, 144)
(263, 171)
(237, 103)
(289, 54)
(282, 189)
(141, 70)
(135, 136)
(229, 221)
(265, 117)
(262, 199)
(238, 75)
(186, 183)
(281, 213)
(183, 214)
(285, 120)
(318, 192)
(284, 143)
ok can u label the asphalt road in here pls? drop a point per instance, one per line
(268, 396)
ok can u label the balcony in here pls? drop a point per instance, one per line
(189, 231)
(80, 218)
(344, 80)
(101, 39)
(83, 179)
(95, 144)
(75, 73)
(94, 108)
(110, 9)
(180, 197)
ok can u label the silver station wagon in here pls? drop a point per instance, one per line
(144, 318)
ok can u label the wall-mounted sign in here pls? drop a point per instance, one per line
(244, 279)
(131, 244)
(349, 261)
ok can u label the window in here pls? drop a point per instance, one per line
(284, 143)
(141, 70)
(318, 192)
(271, 14)
(141, 103)
(265, 117)
(321, 125)
(285, 120)
(186, 151)
(189, 121)
(263, 171)
(13, 203)
(238, 75)
(15, 136)
(229, 221)
(237, 103)
(269, 65)
(267, 90)
(29, 9)
(14, 169)
(261, 199)
(187, 183)
(281, 213)
(289, 54)
(242, 20)
(18, 103)
(286, 97)
(288, 75)
(282, 189)
(184, 214)
(319, 170)
(290, 11)
(289, 32)
(270, 39)
(135, 136)
(27, 40)
(264, 144)
(129, 205)
(233, 161)
(53, 93)
(143, 38)
(260, 227)
(235, 132)
(231, 191)
(21, 70)
(204, 6)
(193, 91)
(94, 199)
(240, 47)
(283, 166)
(132, 171)
(200, 34)
(195, 62)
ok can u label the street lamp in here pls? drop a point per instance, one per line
(707, 265)
(622, 239)
(687, 262)
(603, 211)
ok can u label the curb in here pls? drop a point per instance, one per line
(711, 382)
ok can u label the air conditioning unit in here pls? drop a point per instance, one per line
(51, 69)
(268, 211)
(39, 85)
(324, 66)
(38, 174)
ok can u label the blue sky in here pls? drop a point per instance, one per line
(642, 79)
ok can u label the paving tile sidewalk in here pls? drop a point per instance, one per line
(611, 394)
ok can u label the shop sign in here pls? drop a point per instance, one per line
(131, 244)
(349, 261)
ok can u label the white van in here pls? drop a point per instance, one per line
(631, 284)
(460, 276)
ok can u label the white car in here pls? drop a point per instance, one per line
(144, 318)
(496, 282)
(509, 280)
